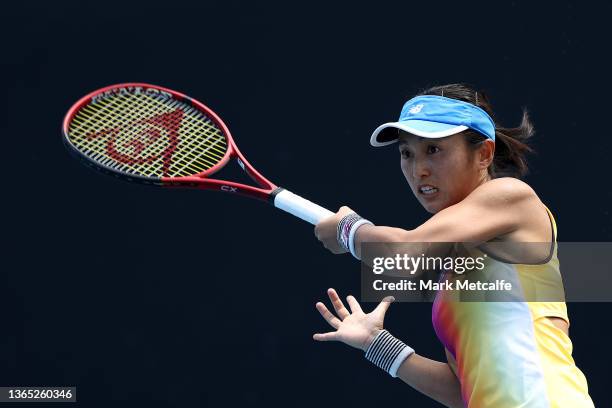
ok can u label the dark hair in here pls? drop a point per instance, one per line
(510, 143)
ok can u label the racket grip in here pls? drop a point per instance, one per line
(300, 207)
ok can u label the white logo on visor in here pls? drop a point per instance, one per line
(416, 108)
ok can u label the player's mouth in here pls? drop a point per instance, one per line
(427, 190)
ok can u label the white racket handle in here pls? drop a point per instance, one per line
(300, 207)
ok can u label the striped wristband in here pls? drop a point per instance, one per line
(387, 352)
(348, 225)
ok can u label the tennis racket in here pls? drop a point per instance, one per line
(149, 134)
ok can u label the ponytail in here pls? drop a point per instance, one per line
(511, 148)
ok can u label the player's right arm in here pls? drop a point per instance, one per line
(357, 329)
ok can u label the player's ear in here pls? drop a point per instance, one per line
(486, 153)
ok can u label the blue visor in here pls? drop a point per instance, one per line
(433, 116)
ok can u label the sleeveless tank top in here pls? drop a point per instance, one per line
(507, 353)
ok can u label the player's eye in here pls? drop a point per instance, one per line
(431, 149)
(405, 154)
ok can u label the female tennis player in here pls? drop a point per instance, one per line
(465, 170)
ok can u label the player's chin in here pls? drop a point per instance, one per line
(432, 207)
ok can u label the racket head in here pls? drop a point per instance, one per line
(146, 133)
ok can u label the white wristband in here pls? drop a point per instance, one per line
(387, 352)
(399, 360)
(351, 239)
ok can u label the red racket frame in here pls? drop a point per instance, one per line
(200, 180)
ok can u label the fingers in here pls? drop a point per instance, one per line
(331, 336)
(337, 303)
(318, 229)
(326, 228)
(383, 306)
(344, 210)
(353, 304)
(326, 231)
(328, 316)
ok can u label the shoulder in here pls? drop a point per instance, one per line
(504, 191)
(514, 204)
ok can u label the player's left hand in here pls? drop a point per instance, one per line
(354, 327)
(326, 231)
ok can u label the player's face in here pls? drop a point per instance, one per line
(440, 172)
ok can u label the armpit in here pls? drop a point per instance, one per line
(452, 363)
(560, 323)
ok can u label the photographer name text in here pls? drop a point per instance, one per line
(408, 285)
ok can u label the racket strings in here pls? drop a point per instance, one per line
(156, 147)
(147, 135)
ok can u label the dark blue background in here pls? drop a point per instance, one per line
(143, 296)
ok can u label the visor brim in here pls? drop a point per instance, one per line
(387, 133)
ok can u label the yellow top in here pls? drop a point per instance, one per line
(508, 353)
